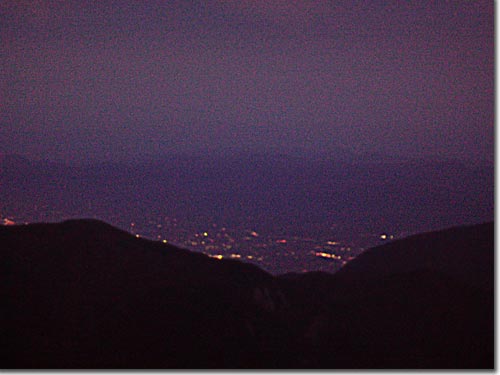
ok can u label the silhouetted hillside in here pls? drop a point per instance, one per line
(82, 294)
(463, 253)
(422, 302)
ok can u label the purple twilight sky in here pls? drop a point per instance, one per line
(123, 79)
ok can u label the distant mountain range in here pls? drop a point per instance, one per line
(268, 193)
(82, 294)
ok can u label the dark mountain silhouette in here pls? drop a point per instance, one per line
(426, 301)
(464, 255)
(82, 294)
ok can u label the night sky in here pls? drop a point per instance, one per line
(120, 80)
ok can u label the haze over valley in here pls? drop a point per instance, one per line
(285, 213)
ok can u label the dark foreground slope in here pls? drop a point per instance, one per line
(426, 301)
(82, 294)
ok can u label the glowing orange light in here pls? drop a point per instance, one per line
(327, 255)
(217, 256)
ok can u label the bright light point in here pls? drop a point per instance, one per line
(383, 236)
(7, 221)
(205, 234)
(137, 236)
(164, 241)
(332, 243)
(327, 255)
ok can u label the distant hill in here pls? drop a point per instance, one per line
(82, 294)
(264, 192)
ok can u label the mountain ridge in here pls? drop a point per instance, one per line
(83, 294)
(449, 254)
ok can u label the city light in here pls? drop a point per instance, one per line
(216, 256)
(274, 254)
(328, 255)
